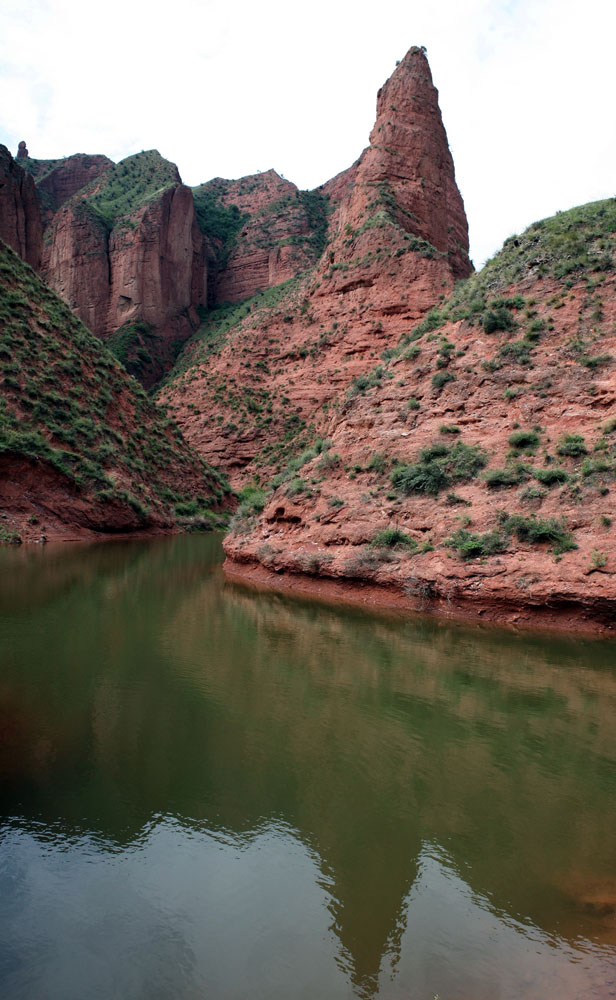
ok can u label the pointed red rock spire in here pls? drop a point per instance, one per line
(409, 162)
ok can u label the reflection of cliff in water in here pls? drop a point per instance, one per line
(366, 735)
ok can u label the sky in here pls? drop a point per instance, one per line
(527, 90)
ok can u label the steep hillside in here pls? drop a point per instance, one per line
(472, 470)
(82, 449)
(263, 230)
(261, 377)
(125, 252)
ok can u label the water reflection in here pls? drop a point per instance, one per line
(356, 804)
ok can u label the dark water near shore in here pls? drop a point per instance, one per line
(207, 792)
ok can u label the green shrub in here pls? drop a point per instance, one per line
(411, 353)
(524, 440)
(512, 475)
(536, 531)
(497, 319)
(533, 493)
(454, 500)
(517, 351)
(596, 361)
(572, 445)
(471, 545)
(378, 463)
(393, 538)
(297, 486)
(550, 476)
(441, 379)
(595, 466)
(362, 383)
(252, 499)
(328, 461)
(535, 329)
(438, 467)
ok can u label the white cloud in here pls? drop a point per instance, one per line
(526, 90)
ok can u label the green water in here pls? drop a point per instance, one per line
(209, 792)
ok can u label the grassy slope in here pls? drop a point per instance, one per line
(67, 401)
(129, 185)
(530, 336)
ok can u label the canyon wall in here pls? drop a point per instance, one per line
(397, 239)
(264, 231)
(20, 215)
(126, 254)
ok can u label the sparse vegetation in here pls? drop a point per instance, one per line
(393, 538)
(438, 467)
(473, 546)
(66, 401)
(129, 185)
(573, 445)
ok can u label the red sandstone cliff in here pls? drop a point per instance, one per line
(20, 215)
(409, 155)
(397, 240)
(263, 231)
(59, 180)
(127, 249)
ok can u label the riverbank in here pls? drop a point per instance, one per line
(595, 618)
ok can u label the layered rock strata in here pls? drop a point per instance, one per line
(397, 240)
(471, 472)
(263, 231)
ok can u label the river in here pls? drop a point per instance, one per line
(211, 791)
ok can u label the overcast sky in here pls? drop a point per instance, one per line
(527, 90)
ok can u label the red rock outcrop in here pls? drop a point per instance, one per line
(20, 215)
(119, 254)
(269, 234)
(407, 171)
(22, 151)
(397, 241)
(61, 179)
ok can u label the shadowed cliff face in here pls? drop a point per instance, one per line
(20, 214)
(82, 448)
(256, 379)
